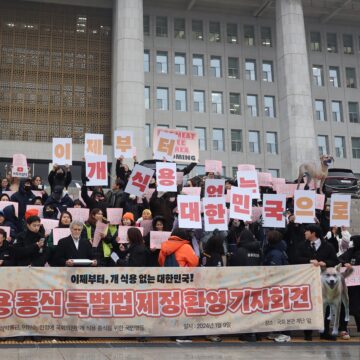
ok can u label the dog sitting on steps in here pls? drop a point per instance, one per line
(335, 292)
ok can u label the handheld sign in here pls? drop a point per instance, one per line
(166, 176)
(94, 144)
(62, 151)
(123, 144)
(96, 170)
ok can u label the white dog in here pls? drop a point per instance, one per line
(335, 292)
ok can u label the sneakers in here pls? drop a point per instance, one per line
(281, 338)
(344, 335)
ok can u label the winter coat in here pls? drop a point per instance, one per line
(211, 260)
(162, 206)
(11, 220)
(248, 253)
(92, 203)
(5, 254)
(23, 198)
(325, 253)
(62, 205)
(113, 198)
(135, 255)
(276, 254)
(62, 180)
(184, 253)
(294, 236)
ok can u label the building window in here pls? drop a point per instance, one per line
(147, 135)
(275, 173)
(214, 31)
(217, 102)
(232, 33)
(267, 71)
(318, 76)
(201, 133)
(180, 100)
(179, 28)
(180, 64)
(350, 78)
(236, 140)
(320, 113)
(315, 41)
(162, 96)
(323, 144)
(146, 60)
(271, 143)
(254, 142)
(355, 142)
(199, 101)
(249, 35)
(331, 40)
(198, 65)
(146, 25)
(233, 68)
(215, 66)
(340, 151)
(348, 44)
(197, 30)
(336, 109)
(218, 140)
(269, 106)
(235, 107)
(353, 112)
(252, 104)
(266, 37)
(250, 69)
(162, 62)
(334, 76)
(147, 97)
(161, 26)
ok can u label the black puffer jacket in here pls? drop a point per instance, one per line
(23, 198)
(248, 252)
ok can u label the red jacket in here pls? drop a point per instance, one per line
(184, 253)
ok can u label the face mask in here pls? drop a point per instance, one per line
(27, 187)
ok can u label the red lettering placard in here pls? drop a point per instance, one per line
(166, 176)
(214, 187)
(241, 204)
(139, 180)
(274, 207)
(215, 214)
(189, 208)
(249, 180)
(96, 170)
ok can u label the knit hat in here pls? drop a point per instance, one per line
(129, 216)
(31, 212)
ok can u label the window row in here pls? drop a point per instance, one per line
(340, 146)
(334, 76)
(217, 102)
(215, 31)
(237, 141)
(215, 67)
(336, 111)
(333, 45)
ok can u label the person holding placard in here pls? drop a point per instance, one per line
(135, 254)
(103, 249)
(4, 197)
(5, 256)
(122, 170)
(74, 247)
(29, 247)
(64, 222)
(59, 176)
(114, 196)
(59, 199)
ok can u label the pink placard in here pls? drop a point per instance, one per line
(60, 233)
(276, 181)
(256, 213)
(79, 214)
(148, 194)
(265, 179)
(319, 201)
(114, 215)
(213, 166)
(7, 230)
(49, 224)
(190, 190)
(8, 193)
(157, 238)
(246, 167)
(4, 204)
(37, 193)
(101, 229)
(19, 166)
(39, 208)
(287, 189)
(354, 278)
(122, 233)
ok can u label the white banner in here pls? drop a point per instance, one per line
(94, 144)
(123, 144)
(189, 208)
(166, 176)
(96, 170)
(340, 210)
(62, 151)
(304, 206)
(139, 180)
(274, 207)
(215, 214)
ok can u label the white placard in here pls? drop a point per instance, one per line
(215, 213)
(123, 144)
(189, 208)
(60, 233)
(139, 180)
(214, 187)
(96, 170)
(19, 166)
(62, 151)
(241, 203)
(340, 205)
(79, 214)
(249, 180)
(165, 146)
(94, 144)
(304, 206)
(274, 207)
(166, 176)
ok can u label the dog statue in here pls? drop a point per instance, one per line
(335, 292)
(312, 171)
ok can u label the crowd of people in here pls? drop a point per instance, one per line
(243, 244)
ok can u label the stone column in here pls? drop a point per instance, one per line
(297, 138)
(128, 110)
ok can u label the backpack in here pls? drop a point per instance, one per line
(170, 261)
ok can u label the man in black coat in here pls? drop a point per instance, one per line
(23, 197)
(319, 253)
(73, 247)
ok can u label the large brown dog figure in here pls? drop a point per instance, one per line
(335, 292)
(312, 171)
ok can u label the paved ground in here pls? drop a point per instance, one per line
(333, 351)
